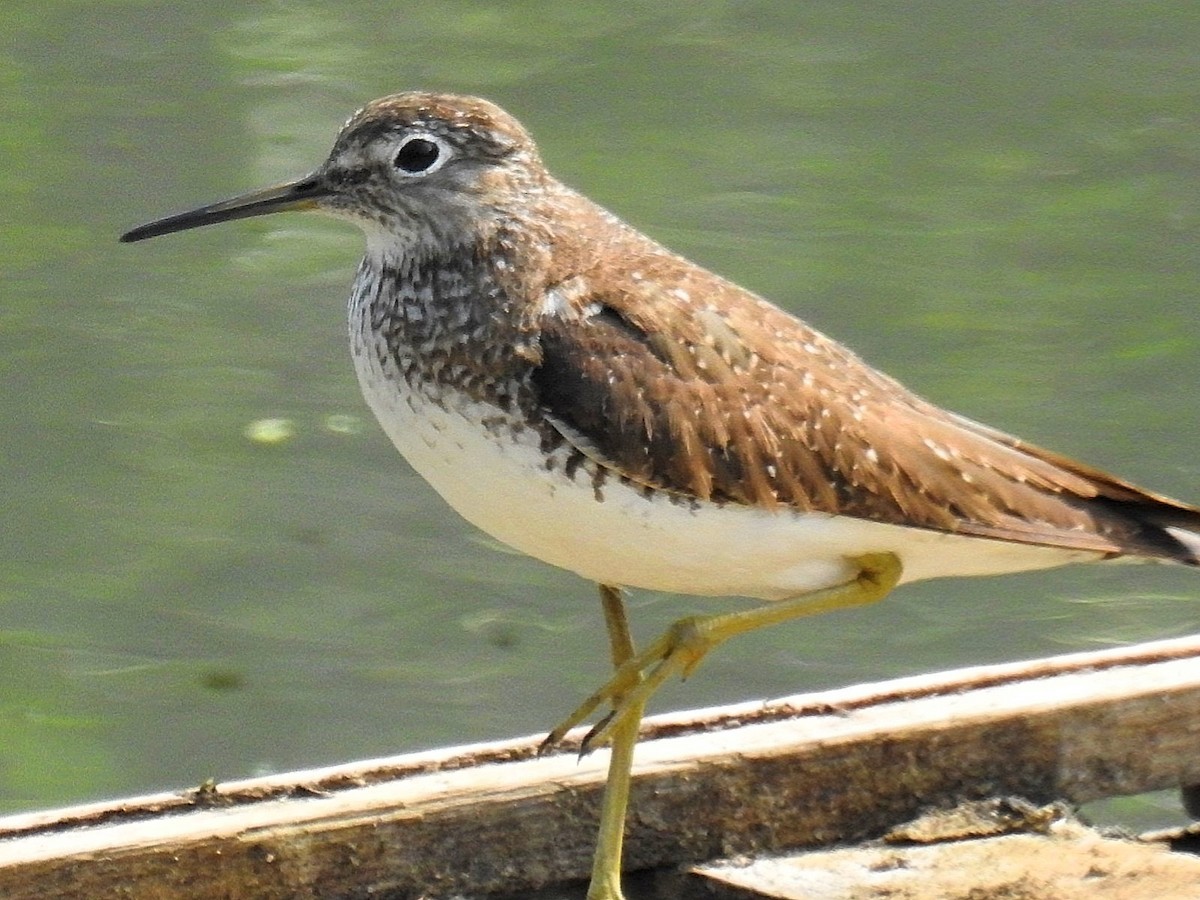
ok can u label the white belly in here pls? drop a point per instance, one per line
(502, 485)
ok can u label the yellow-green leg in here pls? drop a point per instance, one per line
(685, 643)
(679, 651)
(606, 863)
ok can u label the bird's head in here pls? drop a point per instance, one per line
(406, 168)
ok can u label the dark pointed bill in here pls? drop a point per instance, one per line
(300, 194)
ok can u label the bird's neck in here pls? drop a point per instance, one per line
(442, 320)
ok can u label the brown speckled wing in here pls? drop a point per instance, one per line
(734, 401)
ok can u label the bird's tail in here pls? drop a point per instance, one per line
(1189, 538)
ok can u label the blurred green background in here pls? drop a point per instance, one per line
(997, 203)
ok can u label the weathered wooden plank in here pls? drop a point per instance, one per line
(1072, 863)
(831, 767)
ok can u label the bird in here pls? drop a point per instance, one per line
(596, 401)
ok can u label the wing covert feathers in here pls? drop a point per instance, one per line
(732, 400)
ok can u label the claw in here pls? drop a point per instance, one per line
(598, 735)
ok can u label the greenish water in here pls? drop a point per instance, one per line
(997, 203)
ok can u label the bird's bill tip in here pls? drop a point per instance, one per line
(301, 194)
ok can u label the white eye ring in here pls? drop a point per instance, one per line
(420, 154)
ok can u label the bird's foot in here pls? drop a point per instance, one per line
(678, 651)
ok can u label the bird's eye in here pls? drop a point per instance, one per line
(419, 156)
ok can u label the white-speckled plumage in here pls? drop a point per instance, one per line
(620, 533)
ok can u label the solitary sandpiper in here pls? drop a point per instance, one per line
(590, 398)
